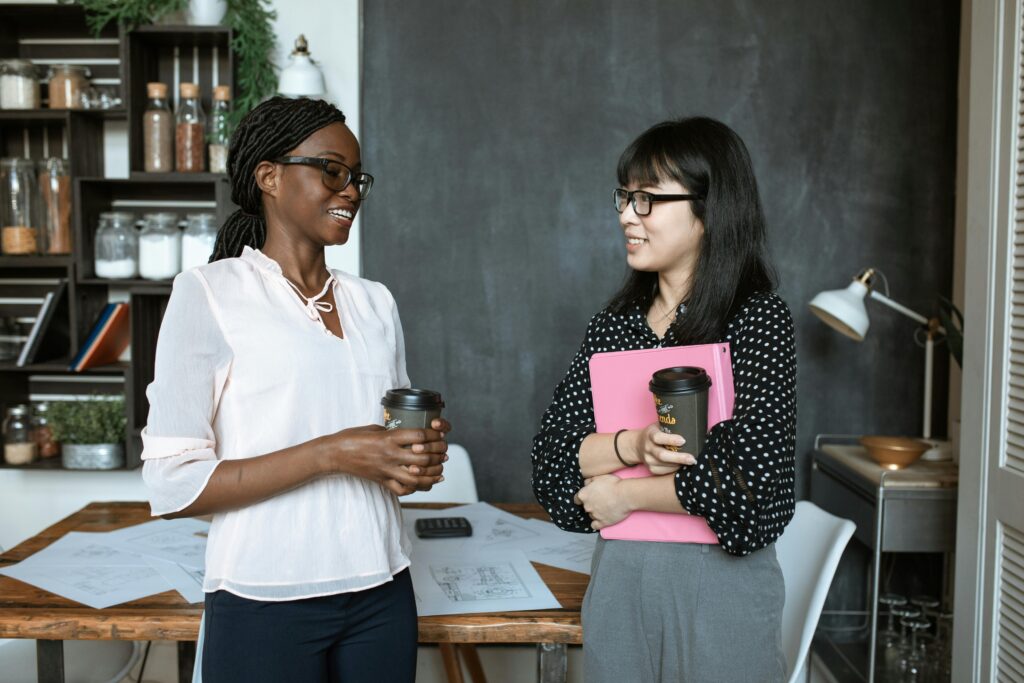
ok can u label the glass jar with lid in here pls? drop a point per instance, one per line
(68, 87)
(197, 243)
(117, 247)
(19, 448)
(190, 132)
(19, 214)
(157, 131)
(19, 85)
(160, 247)
(55, 201)
(42, 433)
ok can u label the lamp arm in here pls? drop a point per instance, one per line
(899, 307)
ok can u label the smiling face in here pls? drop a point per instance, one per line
(297, 198)
(668, 239)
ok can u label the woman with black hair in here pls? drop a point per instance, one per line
(265, 412)
(694, 236)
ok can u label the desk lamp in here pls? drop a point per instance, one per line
(844, 311)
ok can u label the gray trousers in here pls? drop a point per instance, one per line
(660, 612)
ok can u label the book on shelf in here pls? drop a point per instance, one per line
(48, 337)
(107, 340)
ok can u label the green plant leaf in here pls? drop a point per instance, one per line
(92, 421)
(253, 38)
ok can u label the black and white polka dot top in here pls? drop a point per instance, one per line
(743, 481)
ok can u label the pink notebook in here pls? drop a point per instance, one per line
(622, 400)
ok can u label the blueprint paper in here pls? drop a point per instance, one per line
(473, 582)
(182, 541)
(186, 580)
(96, 586)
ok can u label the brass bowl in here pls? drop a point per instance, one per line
(894, 452)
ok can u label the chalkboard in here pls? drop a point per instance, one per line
(493, 129)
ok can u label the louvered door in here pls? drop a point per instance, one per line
(1006, 470)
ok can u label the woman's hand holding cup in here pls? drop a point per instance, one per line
(654, 448)
(403, 460)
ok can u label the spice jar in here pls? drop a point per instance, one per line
(19, 87)
(42, 433)
(19, 220)
(19, 449)
(117, 247)
(157, 131)
(197, 243)
(68, 87)
(190, 131)
(220, 133)
(55, 194)
(160, 247)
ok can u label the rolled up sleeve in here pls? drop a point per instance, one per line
(193, 361)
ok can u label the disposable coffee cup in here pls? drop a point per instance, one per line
(681, 397)
(411, 408)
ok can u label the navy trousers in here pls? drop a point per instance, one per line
(368, 636)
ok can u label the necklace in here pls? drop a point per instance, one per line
(668, 313)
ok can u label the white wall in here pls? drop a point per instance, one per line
(31, 501)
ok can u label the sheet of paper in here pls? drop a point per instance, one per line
(182, 541)
(470, 582)
(562, 549)
(77, 548)
(97, 586)
(186, 580)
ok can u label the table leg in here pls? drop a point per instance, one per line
(876, 575)
(50, 661)
(186, 660)
(552, 662)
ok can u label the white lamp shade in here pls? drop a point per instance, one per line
(843, 310)
(301, 78)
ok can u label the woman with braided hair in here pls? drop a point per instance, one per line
(265, 412)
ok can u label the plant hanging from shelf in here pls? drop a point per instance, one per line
(251, 23)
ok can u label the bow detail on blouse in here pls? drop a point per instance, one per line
(313, 305)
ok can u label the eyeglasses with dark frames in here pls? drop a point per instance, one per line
(335, 175)
(643, 201)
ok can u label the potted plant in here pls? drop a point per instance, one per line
(91, 433)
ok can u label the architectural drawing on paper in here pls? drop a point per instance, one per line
(462, 583)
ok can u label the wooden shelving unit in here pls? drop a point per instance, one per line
(49, 34)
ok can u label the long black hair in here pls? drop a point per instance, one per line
(270, 130)
(709, 159)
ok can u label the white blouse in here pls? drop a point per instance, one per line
(244, 368)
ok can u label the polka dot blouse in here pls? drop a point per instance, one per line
(743, 481)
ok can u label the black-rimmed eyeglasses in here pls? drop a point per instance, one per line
(642, 201)
(335, 175)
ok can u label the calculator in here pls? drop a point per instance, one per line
(443, 527)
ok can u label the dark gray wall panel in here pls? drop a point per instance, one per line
(493, 129)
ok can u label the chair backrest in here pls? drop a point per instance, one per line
(808, 551)
(459, 485)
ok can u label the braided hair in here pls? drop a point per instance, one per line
(270, 130)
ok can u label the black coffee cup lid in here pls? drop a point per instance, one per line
(412, 399)
(679, 380)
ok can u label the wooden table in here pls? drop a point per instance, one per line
(30, 612)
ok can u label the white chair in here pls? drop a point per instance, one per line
(459, 485)
(808, 551)
(85, 661)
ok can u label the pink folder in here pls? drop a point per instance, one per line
(622, 400)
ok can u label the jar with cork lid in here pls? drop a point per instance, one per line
(220, 132)
(157, 131)
(55, 201)
(190, 132)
